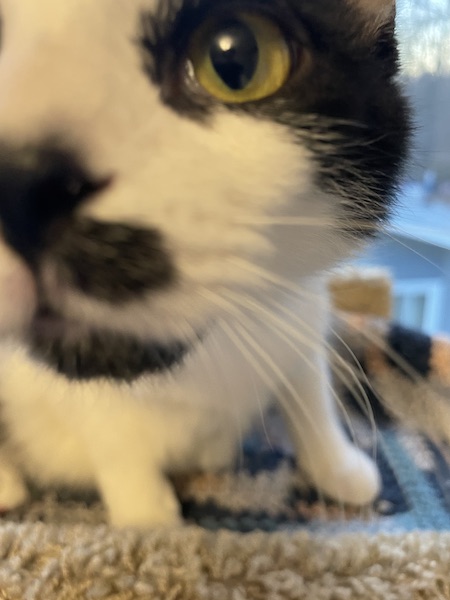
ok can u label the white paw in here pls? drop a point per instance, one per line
(148, 517)
(13, 491)
(353, 478)
(159, 508)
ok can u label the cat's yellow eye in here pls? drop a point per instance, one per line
(240, 59)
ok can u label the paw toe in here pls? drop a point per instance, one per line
(353, 480)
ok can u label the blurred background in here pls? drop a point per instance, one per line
(416, 246)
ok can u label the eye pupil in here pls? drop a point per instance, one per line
(234, 54)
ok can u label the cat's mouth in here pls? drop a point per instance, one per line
(79, 352)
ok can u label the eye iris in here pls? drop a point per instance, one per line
(234, 54)
(242, 58)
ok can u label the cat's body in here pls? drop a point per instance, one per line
(149, 260)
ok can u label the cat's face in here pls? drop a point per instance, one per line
(147, 149)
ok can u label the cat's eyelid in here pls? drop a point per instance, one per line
(174, 22)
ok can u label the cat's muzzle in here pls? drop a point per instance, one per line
(41, 189)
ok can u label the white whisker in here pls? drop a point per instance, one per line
(364, 402)
(378, 342)
(254, 306)
(295, 221)
(274, 387)
(392, 237)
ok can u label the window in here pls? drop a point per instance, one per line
(416, 246)
(418, 304)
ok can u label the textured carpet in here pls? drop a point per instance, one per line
(49, 562)
(260, 532)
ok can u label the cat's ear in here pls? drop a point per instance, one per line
(379, 13)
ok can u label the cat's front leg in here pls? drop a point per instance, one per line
(335, 466)
(127, 456)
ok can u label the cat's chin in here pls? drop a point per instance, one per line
(80, 352)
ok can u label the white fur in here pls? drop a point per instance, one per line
(72, 69)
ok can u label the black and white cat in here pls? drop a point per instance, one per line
(176, 176)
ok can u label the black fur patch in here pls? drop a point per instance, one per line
(104, 354)
(412, 348)
(39, 185)
(112, 262)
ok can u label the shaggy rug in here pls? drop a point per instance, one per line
(260, 532)
(77, 562)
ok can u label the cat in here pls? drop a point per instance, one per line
(177, 177)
